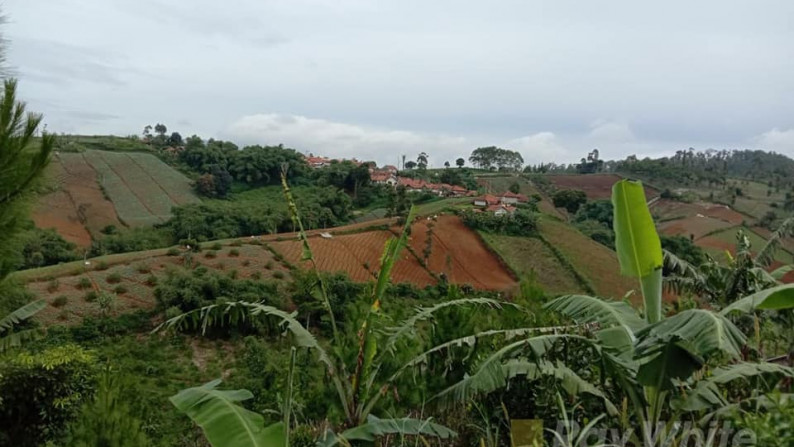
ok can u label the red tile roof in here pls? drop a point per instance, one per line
(380, 176)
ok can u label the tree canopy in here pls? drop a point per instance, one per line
(496, 157)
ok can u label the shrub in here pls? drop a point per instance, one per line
(173, 251)
(43, 247)
(278, 274)
(269, 265)
(216, 246)
(60, 301)
(84, 283)
(113, 278)
(63, 315)
(234, 252)
(233, 274)
(91, 296)
(236, 243)
(151, 280)
(256, 276)
(210, 255)
(42, 392)
(53, 285)
(143, 268)
(120, 289)
(110, 229)
(570, 199)
(521, 223)
(101, 265)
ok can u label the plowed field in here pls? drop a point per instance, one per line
(456, 251)
(77, 207)
(460, 254)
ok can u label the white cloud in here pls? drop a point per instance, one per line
(337, 139)
(776, 140)
(541, 147)
(605, 132)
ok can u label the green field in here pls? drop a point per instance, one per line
(142, 188)
(595, 262)
(530, 256)
(728, 238)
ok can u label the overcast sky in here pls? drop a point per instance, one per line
(376, 79)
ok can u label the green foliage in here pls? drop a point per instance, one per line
(684, 248)
(107, 420)
(13, 332)
(60, 301)
(493, 157)
(22, 162)
(113, 278)
(600, 211)
(134, 239)
(84, 283)
(260, 211)
(44, 247)
(520, 223)
(42, 392)
(224, 421)
(570, 199)
(189, 290)
(769, 420)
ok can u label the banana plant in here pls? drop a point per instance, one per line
(360, 388)
(10, 337)
(661, 364)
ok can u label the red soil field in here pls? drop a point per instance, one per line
(77, 208)
(358, 255)
(457, 252)
(253, 262)
(596, 186)
(460, 254)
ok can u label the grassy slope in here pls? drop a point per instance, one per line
(530, 256)
(595, 262)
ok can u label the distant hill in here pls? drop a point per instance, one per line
(92, 189)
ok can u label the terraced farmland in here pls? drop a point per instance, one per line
(596, 186)
(142, 188)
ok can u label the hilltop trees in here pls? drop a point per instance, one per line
(591, 164)
(421, 160)
(460, 162)
(570, 199)
(495, 157)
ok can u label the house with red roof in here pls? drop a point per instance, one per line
(486, 200)
(501, 210)
(383, 178)
(512, 198)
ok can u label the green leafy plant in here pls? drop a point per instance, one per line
(672, 366)
(360, 388)
(10, 333)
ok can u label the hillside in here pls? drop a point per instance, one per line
(93, 189)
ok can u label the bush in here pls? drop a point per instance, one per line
(570, 199)
(188, 290)
(90, 297)
(84, 283)
(143, 268)
(43, 392)
(216, 246)
(256, 276)
(236, 243)
(269, 265)
(60, 301)
(210, 255)
(278, 274)
(521, 223)
(173, 251)
(137, 239)
(151, 280)
(120, 289)
(101, 265)
(234, 253)
(44, 247)
(53, 285)
(113, 278)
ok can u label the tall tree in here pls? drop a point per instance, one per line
(460, 162)
(22, 162)
(421, 160)
(160, 129)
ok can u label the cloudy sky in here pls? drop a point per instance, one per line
(376, 79)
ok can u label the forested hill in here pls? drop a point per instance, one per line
(712, 166)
